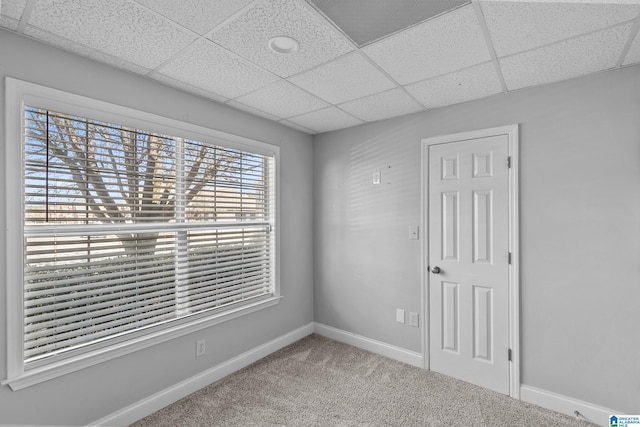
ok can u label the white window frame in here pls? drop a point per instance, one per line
(19, 94)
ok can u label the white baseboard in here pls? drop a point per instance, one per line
(567, 405)
(378, 347)
(132, 413)
(157, 401)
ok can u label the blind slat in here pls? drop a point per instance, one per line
(97, 316)
(213, 303)
(32, 304)
(99, 333)
(41, 313)
(196, 292)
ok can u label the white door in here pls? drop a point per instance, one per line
(469, 260)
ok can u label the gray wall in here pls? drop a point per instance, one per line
(580, 223)
(580, 229)
(95, 392)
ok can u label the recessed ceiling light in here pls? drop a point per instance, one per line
(284, 44)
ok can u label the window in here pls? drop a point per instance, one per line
(132, 232)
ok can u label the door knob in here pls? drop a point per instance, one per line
(436, 270)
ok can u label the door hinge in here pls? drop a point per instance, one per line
(509, 354)
(509, 258)
(509, 162)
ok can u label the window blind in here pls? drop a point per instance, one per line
(127, 229)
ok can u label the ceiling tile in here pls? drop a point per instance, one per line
(9, 23)
(208, 66)
(326, 120)
(200, 16)
(565, 60)
(518, 26)
(119, 28)
(473, 83)
(249, 34)
(282, 99)
(298, 127)
(381, 106)
(11, 12)
(382, 17)
(73, 47)
(633, 55)
(349, 77)
(447, 43)
(169, 81)
(240, 106)
(12, 8)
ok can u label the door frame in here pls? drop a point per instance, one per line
(514, 276)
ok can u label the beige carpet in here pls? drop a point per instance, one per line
(320, 382)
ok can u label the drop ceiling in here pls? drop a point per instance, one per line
(358, 61)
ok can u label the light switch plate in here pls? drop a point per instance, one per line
(399, 315)
(414, 319)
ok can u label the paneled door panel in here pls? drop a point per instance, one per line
(468, 257)
(450, 317)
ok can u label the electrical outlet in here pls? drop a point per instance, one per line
(414, 319)
(399, 315)
(201, 347)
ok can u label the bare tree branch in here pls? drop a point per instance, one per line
(126, 175)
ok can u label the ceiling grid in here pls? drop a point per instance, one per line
(356, 62)
(627, 47)
(487, 39)
(26, 14)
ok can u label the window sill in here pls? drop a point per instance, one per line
(67, 366)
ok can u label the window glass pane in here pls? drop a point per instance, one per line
(79, 288)
(79, 171)
(126, 229)
(239, 256)
(223, 184)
